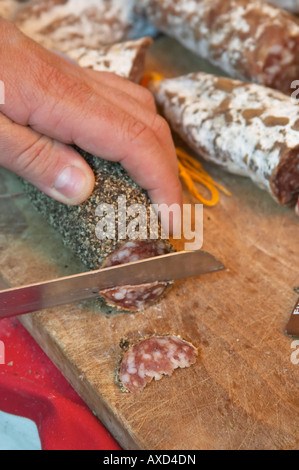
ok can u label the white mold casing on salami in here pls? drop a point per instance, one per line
(291, 5)
(246, 128)
(249, 39)
(63, 25)
(153, 358)
(126, 58)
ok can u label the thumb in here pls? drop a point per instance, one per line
(55, 168)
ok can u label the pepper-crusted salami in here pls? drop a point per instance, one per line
(127, 58)
(67, 24)
(249, 39)
(153, 358)
(291, 5)
(78, 228)
(246, 128)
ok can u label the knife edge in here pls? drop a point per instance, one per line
(83, 286)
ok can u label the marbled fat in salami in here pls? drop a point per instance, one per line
(246, 128)
(250, 40)
(153, 358)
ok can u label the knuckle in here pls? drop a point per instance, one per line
(160, 126)
(44, 76)
(35, 159)
(79, 92)
(148, 98)
(52, 81)
(56, 91)
(137, 130)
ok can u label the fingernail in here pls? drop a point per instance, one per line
(71, 182)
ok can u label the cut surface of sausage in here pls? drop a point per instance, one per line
(136, 298)
(153, 358)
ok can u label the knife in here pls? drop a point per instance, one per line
(170, 267)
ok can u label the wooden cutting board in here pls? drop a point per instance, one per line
(243, 391)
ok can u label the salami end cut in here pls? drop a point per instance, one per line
(154, 358)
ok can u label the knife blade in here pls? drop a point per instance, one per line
(171, 267)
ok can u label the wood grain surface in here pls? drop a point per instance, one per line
(243, 391)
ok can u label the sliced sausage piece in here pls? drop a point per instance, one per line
(153, 358)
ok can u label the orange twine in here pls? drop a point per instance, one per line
(191, 172)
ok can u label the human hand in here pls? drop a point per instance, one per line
(52, 104)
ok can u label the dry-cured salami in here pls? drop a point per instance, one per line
(291, 5)
(126, 58)
(153, 358)
(77, 226)
(246, 128)
(250, 40)
(67, 24)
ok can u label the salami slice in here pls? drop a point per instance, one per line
(63, 25)
(291, 5)
(136, 298)
(153, 358)
(126, 58)
(250, 40)
(246, 128)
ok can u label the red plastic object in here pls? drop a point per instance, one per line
(32, 387)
